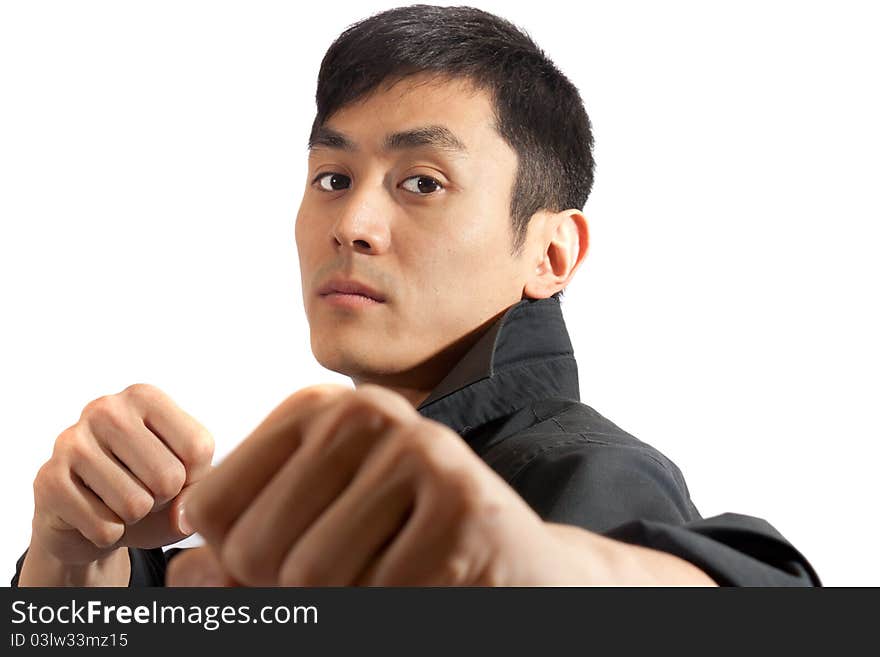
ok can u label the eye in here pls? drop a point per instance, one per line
(424, 186)
(335, 181)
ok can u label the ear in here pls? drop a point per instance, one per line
(563, 240)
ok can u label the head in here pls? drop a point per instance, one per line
(449, 161)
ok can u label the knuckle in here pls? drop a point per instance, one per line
(456, 501)
(393, 457)
(429, 449)
(320, 391)
(199, 450)
(107, 410)
(69, 432)
(46, 483)
(403, 452)
(142, 392)
(333, 425)
(463, 493)
(169, 481)
(136, 505)
(411, 451)
(361, 422)
(464, 557)
(466, 495)
(389, 400)
(316, 395)
(40, 479)
(370, 396)
(306, 401)
(106, 534)
(98, 405)
(359, 409)
(76, 449)
(60, 449)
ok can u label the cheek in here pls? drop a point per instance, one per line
(298, 231)
(303, 222)
(461, 255)
(478, 248)
(305, 236)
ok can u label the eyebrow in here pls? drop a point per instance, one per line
(435, 136)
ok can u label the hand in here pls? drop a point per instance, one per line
(118, 477)
(343, 487)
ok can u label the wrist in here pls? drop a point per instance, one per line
(660, 568)
(41, 568)
(599, 560)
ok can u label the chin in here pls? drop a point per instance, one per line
(345, 361)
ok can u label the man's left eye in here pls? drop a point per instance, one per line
(424, 185)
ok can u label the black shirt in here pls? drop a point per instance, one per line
(514, 398)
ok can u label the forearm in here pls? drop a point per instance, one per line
(42, 569)
(604, 561)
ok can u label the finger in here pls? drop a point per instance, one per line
(164, 526)
(87, 513)
(431, 550)
(197, 567)
(223, 496)
(147, 457)
(295, 497)
(185, 436)
(110, 480)
(352, 532)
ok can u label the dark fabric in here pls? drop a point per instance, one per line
(514, 398)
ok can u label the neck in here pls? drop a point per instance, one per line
(416, 384)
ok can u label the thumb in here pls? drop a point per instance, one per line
(163, 526)
(197, 567)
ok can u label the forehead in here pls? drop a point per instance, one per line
(421, 111)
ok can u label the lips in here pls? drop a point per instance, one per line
(350, 286)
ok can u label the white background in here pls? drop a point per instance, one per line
(152, 159)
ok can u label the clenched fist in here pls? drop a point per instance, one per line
(115, 479)
(354, 487)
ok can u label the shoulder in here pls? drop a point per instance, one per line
(564, 427)
(573, 464)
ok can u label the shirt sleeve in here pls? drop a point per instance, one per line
(638, 496)
(147, 566)
(733, 549)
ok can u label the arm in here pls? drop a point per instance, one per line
(638, 497)
(112, 492)
(40, 568)
(624, 564)
(140, 568)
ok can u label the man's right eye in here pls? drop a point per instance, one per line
(335, 181)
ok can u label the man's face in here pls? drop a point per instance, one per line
(427, 227)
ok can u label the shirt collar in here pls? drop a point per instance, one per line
(524, 356)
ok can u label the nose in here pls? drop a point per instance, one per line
(362, 223)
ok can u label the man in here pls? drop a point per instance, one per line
(438, 228)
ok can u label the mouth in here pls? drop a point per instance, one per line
(350, 288)
(350, 300)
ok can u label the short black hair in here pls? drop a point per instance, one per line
(538, 111)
